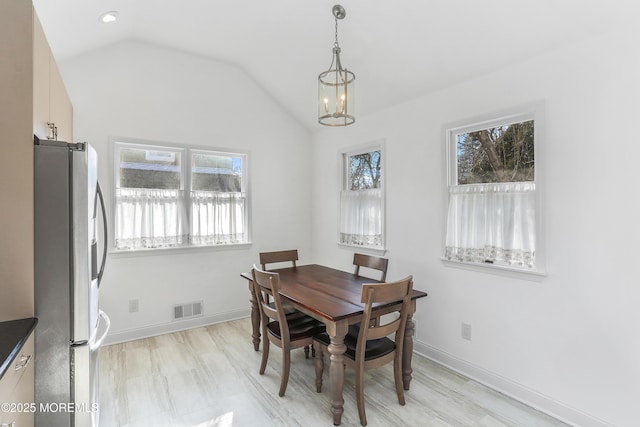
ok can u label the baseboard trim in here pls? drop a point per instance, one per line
(521, 393)
(167, 328)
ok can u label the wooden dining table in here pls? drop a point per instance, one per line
(333, 297)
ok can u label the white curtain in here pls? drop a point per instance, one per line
(149, 218)
(217, 218)
(492, 223)
(361, 217)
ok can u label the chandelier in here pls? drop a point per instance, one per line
(336, 87)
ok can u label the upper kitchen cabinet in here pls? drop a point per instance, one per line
(52, 109)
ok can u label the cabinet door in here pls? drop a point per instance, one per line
(61, 113)
(17, 388)
(51, 103)
(41, 63)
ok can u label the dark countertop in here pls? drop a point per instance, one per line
(13, 335)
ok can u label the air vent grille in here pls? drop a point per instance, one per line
(188, 310)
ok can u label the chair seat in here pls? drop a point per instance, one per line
(299, 327)
(375, 348)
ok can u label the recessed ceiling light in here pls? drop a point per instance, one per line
(108, 17)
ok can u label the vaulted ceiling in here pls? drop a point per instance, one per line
(398, 49)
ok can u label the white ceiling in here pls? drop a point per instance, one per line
(397, 49)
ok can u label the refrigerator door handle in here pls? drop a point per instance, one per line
(107, 323)
(106, 237)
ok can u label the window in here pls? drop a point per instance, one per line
(167, 197)
(362, 198)
(493, 216)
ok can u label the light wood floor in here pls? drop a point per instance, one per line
(208, 377)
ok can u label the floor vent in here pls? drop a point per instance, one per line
(188, 310)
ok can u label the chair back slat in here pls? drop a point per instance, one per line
(384, 330)
(384, 292)
(269, 312)
(278, 256)
(373, 262)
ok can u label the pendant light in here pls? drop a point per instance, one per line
(336, 87)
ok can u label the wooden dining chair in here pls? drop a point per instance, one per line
(373, 262)
(368, 345)
(290, 255)
(278, 256)
(279, 329)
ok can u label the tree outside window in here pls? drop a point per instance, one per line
(362, 198)
(365, 170)
(498, 154)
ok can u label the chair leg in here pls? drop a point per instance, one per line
(360, 395)
(319, 366)
(265, 355)
(286, 367)
(397, 377)
(306, 351)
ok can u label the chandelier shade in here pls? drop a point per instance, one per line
(336, 87)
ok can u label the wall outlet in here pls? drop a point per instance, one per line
(134, 306)
(465, 331)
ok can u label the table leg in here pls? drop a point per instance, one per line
(336, 349)
(407, 352)
(255, 318)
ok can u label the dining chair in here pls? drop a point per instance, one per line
(373, 262)
(279, 329)
(278, 256)
(368, 345)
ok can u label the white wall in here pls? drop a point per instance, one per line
(568, 343)
(141, 91)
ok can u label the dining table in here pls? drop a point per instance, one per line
(333, 297)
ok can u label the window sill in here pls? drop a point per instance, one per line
(518, 273)
(174, 251)
(371, 250)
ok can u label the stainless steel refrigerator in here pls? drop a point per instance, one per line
(70, 225)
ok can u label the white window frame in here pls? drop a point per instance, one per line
(342, 183)
(185, 178)
(533, 111)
